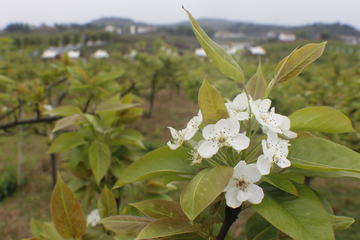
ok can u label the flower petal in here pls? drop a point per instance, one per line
(257, 194)
(283, 163)
(242, 196)
(263, 164)
(172, 145)
(265, 105)
(231, 199)
(241, 101)
(208, 148)
(222, 126)
(239, 169)
(174, 133)
(209, 132)
(241, 116)
(239, 142)
(252, 173)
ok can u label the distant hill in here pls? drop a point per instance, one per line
(119, 22)
(250, 29)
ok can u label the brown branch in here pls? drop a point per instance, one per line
(29, 121)
(128, 90)
(231, 214)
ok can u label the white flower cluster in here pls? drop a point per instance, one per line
(226, 133)
(93, 218)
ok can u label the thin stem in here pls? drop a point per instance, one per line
(214, 218)
(212, 162)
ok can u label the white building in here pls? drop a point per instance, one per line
(258, 50)
(74, 54)
(287, 37)
(100, 54)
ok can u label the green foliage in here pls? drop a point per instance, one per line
(8, 181)
(302, 217)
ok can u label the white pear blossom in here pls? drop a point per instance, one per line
(239, 107)
(241, 186)
(194, 123)
(195, 155)
(275, 151)
(224, 133)
(178, 137)
(93, 218)
(269, 120)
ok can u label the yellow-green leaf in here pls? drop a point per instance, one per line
(320, 119)
(167, 227)
(126, 224)
(100, 158)
(107, 203)
(65, 111)
(216, 54)
(202, 190)
(340, 222)
(256, 86)
(66, 212)
(292, 65)
(66, 122)
(66, 141)
(211, 104)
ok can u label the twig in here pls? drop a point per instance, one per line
(129, 89)
(28, 121)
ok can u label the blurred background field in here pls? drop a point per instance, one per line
(164, 73)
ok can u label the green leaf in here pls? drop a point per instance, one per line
(100, 158)
(107, 203)
(202, 190)
(50, 232)
(66, 211)
(216, 54)
(260, 229)
(256, 86)
(324, 202)
(77, 154)
(294, 177)
(320, 119)
(126, 224)
(66, 122)
(108, 106)
(211, 104)
(95, 122)
(167, 227)
(332, 174)
(78, 73)
(281, 182)
(292, 65)
(103, 78)
(65, 111)
(340, 222)
(160, 208)
(95, 235)
(36, 227)
(158, 163)
(66, 141)
(302, 218)
(174, 178)
(318, 154)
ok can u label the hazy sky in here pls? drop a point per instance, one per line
(284, 12)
